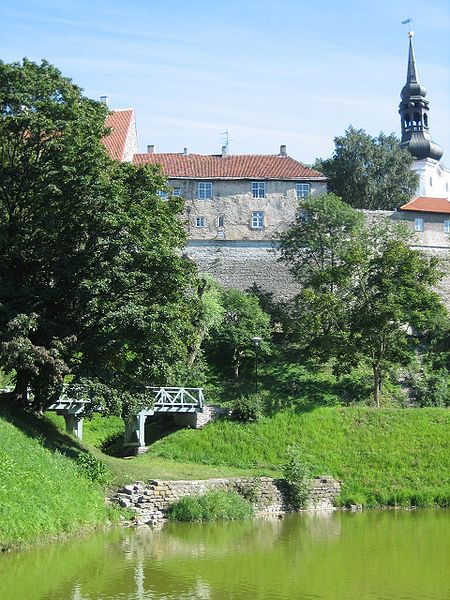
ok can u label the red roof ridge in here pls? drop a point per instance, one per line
(428, 204)
(230, 166)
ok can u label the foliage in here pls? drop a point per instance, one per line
(216, 505)
(366, 294)
(208, 316)
(93, 468)
(231, 341)
(90, 280)
(319, 246)
(430, 387)
(248, 408)
(370, 172)
(297, 474)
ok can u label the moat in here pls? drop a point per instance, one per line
(389, 555)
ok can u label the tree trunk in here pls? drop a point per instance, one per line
(236, 363)
(20, 392)
(376, 385)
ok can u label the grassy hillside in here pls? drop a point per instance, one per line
(43, 493)
(383, 457)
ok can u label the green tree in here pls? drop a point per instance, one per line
(243, 319)
(90, 280)
(370, 172)
(366, 295)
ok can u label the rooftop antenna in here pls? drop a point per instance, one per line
(408, 22)
(226, 138)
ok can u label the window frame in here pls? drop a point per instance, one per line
(447, 226)
(303, 185)
(419, 224)
(258, 188)
(257, 220)
(199, 221)
(205, 190)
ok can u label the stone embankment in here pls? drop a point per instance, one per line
(150, 501)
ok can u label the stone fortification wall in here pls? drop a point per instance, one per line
(151, 500)
(240, 265)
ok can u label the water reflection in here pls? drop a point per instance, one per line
(374, 555)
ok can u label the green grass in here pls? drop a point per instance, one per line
(216, 505)
(384, 457)
(43, 492)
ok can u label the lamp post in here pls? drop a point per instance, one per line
(256, 341)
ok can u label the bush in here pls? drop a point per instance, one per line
(93, 469)
(216, 505)
(248, 408)
(297, 474)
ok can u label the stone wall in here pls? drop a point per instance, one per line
(241, 264)
(151, 500)
(233, 201)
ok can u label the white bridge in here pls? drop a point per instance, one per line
(175, 400)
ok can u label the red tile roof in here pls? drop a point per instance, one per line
(422, 204)
(247, 166)
(119, 121)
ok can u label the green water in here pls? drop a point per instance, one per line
(382, 555)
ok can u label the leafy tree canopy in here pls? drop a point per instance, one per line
(90, 280)
(243, 319)
(370, 172)
(366, 294)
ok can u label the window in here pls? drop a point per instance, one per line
(176, 192)
(204, 190)
(162, 194)
(220, 221)
(303, 190)
(199, 221)
(258, 219)
(447, 226)
(259, 189)
(418, 224)
(431, 182)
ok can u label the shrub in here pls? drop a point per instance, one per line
(93, 469)
(297, 474)
(247, 408)
(216, 505)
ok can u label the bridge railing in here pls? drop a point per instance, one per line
(178, 398)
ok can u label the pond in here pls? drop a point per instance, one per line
(377, 555)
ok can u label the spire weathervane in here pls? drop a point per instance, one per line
(408, 22)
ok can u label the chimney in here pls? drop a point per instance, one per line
(224, 151)
(104, 100)
(150, 149)
(283, 150)
(185, 151)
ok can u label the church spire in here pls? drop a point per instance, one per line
(413, 111)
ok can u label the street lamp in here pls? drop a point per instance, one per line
(256, 341)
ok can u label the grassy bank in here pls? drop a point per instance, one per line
(43, 492)
(383, 457)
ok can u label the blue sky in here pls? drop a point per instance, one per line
(271, 72)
